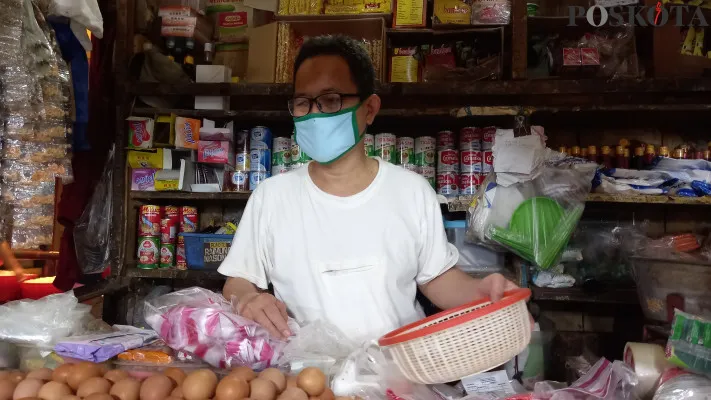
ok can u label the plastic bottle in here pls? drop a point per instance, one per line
(606, 157)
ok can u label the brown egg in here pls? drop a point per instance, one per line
(327, 395)
(100, 396)
(126, 389)
(27, 388)
(293, 393)
(16, 376)
(175, 374)
(291, 381)
(277, 377)
(82, 372)
(231, 388)
(93, 385)
(312, 381)
(199, 385)
(29, 398)
(7, 388)
(172, 398)
(262, 389)
(43, 374)
(4, 374)
(116, 375)
(54, 391)
(156, 387)
(70, 397)
(61, 373)
(177, 393)
(344, 398)
(244, 373)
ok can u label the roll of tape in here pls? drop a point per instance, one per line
(648, 362)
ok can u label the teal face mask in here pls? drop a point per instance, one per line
(327, 137)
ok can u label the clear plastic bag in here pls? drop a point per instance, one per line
(92, 232)
(688, 345)
(203, 323)
(317, 344)
(677, 384)
(605, 380)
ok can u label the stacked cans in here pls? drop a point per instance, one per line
(471, 160)
(260, 155)
(239, 178)
(159, 244)
(281, 155)
(298, 157)
(426, 158)
(385, 147)
(369, 144)
(447, 164)
(405, 153)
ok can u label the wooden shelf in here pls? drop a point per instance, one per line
(579, 295)
(149, 112)
(189, 195)
(170, 273)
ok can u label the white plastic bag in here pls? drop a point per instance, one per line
(83, 12)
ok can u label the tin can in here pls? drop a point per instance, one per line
(447, 160)
(260, 160)
(447, 183)
(148, 252)
(167, 255)
(242, 141)
(240, 181)
(469, 182)
(255, 178)
(488, 164)
(172, 212)
(429, 173)
(260, 137)
(298, 156)
(369, 144)
(188, 219)
(470, 138)
(385, 147)
(487, 137)
(446, 140)
(412, 167)
(242, 161)
(405, 150)
(296, 165)
(425, 151)
(279, 169)
(281, 144)
(281, 157)
(180, 261)
(168, 230)
(149, 221)
(471, 161)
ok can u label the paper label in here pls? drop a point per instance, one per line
(410, 13)
(496, 383)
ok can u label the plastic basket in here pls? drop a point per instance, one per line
(464, 341)
(205, 251)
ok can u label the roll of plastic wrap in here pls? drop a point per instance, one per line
(648, 362)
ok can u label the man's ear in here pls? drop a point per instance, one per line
(372, 107)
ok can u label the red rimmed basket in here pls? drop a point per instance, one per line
(463, 341)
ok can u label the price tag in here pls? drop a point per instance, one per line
(495, 383)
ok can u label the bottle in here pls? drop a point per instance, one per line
(627, 157)
(170, 46)
(678, 154)
(592, 154)
(649, 155)
(707, 155)
(606, 157)
(584, 153)
(638, 159)
(619, 156)
(575, 151)
(189, 66)
(664, 151)
(209, 53)
(699, 155)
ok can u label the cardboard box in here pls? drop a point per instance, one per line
(212, 74)
(187, 179)
(264, 43)
(410, 14)
(234, 56)
(233, 18)
(216, 152)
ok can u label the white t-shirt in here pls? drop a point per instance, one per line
(352, 261)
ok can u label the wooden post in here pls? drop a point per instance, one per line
(519, 39)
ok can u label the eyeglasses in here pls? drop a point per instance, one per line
(328, 103)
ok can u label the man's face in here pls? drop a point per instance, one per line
(330, 74)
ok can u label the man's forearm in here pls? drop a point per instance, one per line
(236, 288)
(452, 289)
(8, 258)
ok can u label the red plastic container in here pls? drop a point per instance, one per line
(37, 288)
(9, 286)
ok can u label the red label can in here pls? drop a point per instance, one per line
(448, 183)
(488, 165)
(149, 221)
(470, 138)
(469, 183)
(448, 160)
(471, 161)
(172, 212)
(147, 254)
(180, 261)
(445, 140)
(168, 230)
(188, 219)
(487, 137)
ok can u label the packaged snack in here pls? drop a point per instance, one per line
(689, 344)
(452, 12)
(140, 132)
(491, 12)
(147, 159)
(410, 14)
(404, 65)
(143, 179)
(215, 152)
(187, 133)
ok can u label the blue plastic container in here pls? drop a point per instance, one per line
(206, 251)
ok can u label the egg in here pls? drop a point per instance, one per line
(312, 381)
(54, 391)
(69, 397)
(93, 385)
(343, 398)
(44, 374)
(30, 398)
(277, 377)
(199, 385)
(116, 375)
(262, 389)
(177, 393)
(16, 376)
(126, 389)
(156, 387)
(172, 398)
(4, 374)
(327, 395)
(175, 374)
(293, 393)
(245, 373)
(7, 388)
(99, 396)
(27, 388)
(81, 372)
(61, 373)
(291, 381)
(231, 388)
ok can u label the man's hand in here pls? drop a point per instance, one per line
(494, 286)
(267, 311)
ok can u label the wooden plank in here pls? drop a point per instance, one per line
(149, 196)
(170, 273)
(575, 294)
(519, 40)
(101, 288)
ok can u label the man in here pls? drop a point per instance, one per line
(347, 239)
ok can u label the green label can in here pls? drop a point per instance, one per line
(425, 154)
(429, 173)
(385, 147)
(167, 255)
(405, 151)
(369, 144)
(148, 252)
(298, 156)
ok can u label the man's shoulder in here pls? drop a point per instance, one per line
(405, 179)
(282, 181)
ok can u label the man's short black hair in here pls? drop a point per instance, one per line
(352, 51)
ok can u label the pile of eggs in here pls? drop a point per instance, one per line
(88, 381)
